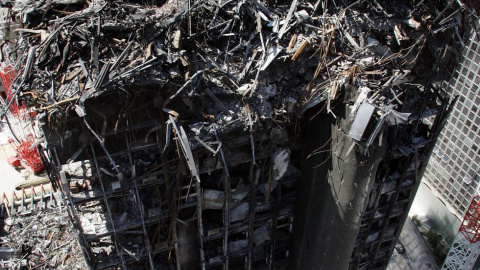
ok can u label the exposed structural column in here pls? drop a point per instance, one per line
(337, 178)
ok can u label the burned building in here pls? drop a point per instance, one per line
(234, 134)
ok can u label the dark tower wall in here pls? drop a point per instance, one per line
(335, 185)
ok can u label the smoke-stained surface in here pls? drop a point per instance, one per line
(217, 129)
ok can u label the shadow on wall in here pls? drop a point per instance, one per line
(427, 205)
(310, 226)
(334, 187)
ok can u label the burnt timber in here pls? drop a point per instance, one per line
(235, 134)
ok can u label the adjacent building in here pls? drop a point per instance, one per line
(453, 170)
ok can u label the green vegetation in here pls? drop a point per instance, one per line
(416, 221)
(438, 245)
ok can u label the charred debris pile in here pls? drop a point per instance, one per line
(176, 129)
(42, 240)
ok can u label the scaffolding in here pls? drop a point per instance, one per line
(7, 76)
(465, 249)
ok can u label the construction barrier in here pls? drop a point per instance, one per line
(28, 154)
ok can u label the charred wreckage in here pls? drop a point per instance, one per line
(240, 134)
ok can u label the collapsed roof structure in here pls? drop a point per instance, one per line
(234, 134)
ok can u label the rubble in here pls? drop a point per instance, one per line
(45, 240)
(89, 50)
(176, 129)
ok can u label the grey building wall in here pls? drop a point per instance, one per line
(427, 205)
(452, 171)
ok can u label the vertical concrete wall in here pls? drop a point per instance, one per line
(332, 195)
